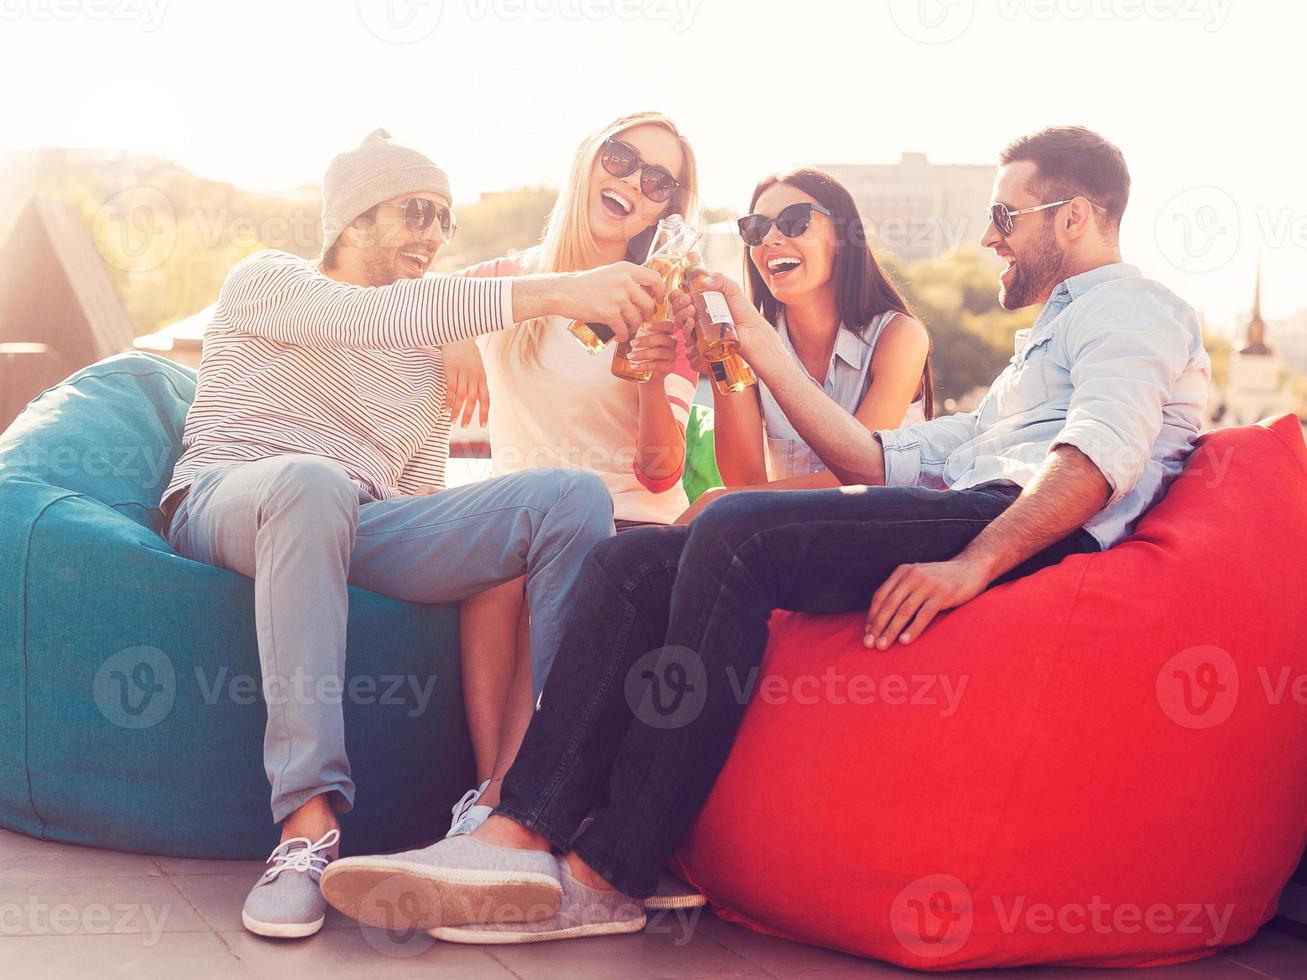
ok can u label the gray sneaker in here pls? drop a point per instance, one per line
(584, 911)
(286, 902)
(454, 881)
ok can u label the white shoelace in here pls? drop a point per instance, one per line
(465, 820)
(468, 801)
(310, 856)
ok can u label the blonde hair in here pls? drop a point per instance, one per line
(567, 243)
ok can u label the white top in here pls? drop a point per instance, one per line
(569, 410)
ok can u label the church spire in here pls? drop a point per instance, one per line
(1255, 343)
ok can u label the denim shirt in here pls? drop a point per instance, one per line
(1114, 366)
(847, 381)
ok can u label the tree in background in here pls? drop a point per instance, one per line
(956, 297)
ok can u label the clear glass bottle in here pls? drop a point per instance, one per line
(672, 244)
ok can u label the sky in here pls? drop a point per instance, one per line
(1204, 97)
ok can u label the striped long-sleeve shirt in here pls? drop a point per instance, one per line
(297, 362)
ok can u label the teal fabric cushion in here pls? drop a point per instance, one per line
(130, 712)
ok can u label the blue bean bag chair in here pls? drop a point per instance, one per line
(130, 709)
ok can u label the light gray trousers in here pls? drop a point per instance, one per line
(302, 531)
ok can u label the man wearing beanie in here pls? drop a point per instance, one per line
(313, 452)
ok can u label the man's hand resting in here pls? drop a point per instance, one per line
(913, 594)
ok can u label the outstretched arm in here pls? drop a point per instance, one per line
(842, 442)
(284, 298)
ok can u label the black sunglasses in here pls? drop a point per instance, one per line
(421, 212)
(1001, 215)
(621, 160)
(791, 222)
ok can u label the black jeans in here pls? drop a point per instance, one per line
(645, 697)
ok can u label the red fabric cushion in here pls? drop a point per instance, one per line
(1103, 764)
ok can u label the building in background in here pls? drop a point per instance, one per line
(1258, 385)
(920, 210)
(182, 341)
(59, 310)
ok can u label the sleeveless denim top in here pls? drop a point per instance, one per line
(848, 378)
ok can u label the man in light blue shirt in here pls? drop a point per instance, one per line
(1113, 367)
(1077, 437)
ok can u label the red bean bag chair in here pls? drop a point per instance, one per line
(1104, 764)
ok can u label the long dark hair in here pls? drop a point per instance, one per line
(862, 289)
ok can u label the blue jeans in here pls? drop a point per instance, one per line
(303, 532)
(666, 625)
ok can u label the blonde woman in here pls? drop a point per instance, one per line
(555, 404)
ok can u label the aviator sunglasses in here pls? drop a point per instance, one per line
(1001, 215)
(420, 213)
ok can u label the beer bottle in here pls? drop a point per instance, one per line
(672, 242)
(594, 337)
(715, 337)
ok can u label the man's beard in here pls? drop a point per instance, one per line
(379, 265)
(1035, 274)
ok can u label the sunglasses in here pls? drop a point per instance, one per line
(791, 222)
(421, 213)
(621, 160)
(1001, 215)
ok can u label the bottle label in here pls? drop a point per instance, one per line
(717, 308)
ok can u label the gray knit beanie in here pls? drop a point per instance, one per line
(376, 170)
